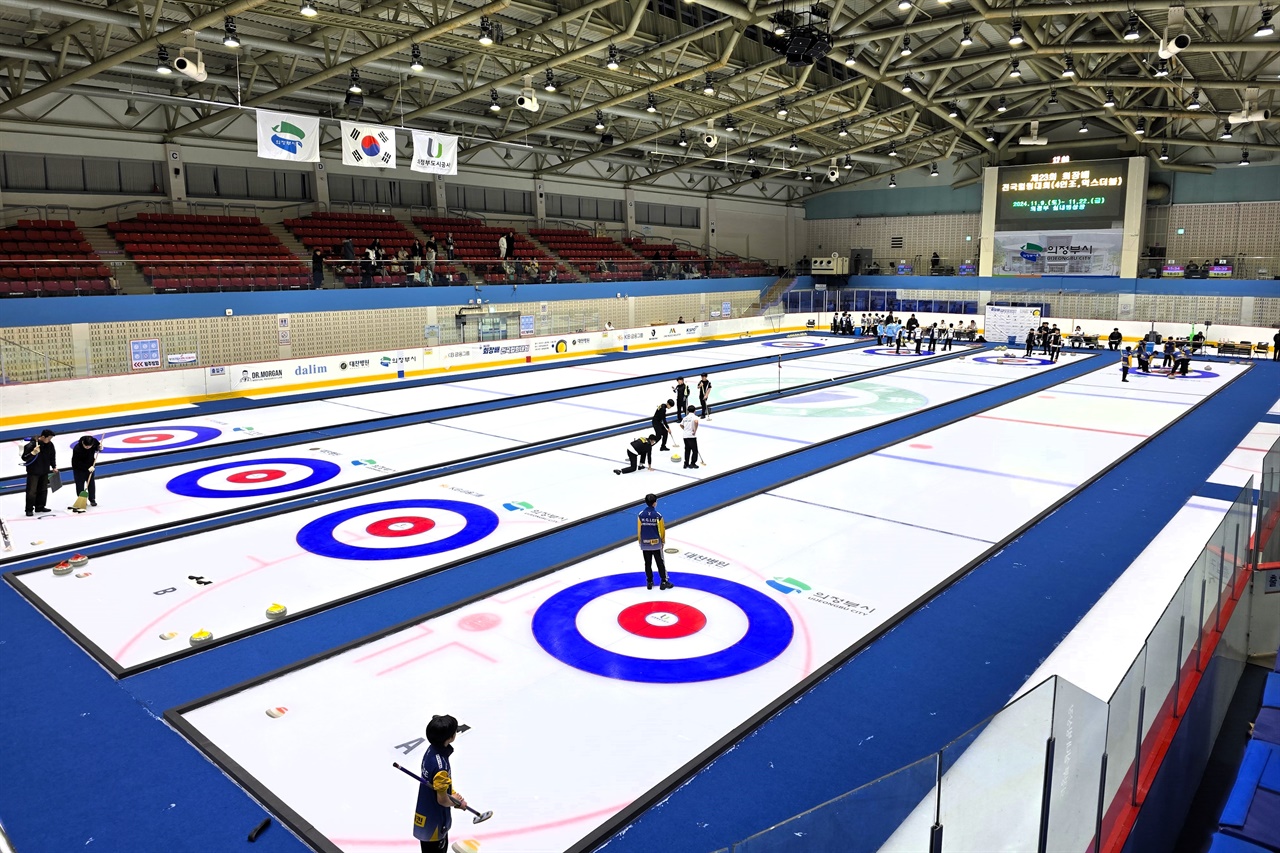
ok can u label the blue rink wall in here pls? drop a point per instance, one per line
(1057, 284)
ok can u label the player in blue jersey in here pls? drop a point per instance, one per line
(652, 533)
(431, 818)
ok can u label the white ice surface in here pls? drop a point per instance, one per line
(483, 664)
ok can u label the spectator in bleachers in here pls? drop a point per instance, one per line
(502, 247)
(448, 245)
(317, 268)
(429, 265)
(509, 270)
(398, 262)
(601, 266)
(348, 254)
(552, 274)
(531, 270)
(416, 256)
(368, 262)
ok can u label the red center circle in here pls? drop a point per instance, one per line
(147, 438)
(401, 525)
(258, 475)
(687, 620)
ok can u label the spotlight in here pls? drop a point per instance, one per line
(612, 64)
(599, 120)
(494, 106)
(991, 134)
(1014, 71)
(953, 111)
(933, 170)
(1000, 107)
(967, 38)
(415, 58)
(551, 81)
(1265, 28)
(793, 146)
(1164, 152)
(844, 129)
(307, 10)
(652, 104)
(782, 107)
(1053, 96)
(683, 141)
(893, 150)
(486, 31)
(162, 61)
(1162, 70)
(906, 46)
(893, 181)
(1141, 129)
(1194, 103)
(1015, 37)
(229, 37)
(1110, 99)
(1244, 157)
(1131, 32)
(1084, 126)
(354, 85)
(708, 88)
(907, 88)
(1069, 66)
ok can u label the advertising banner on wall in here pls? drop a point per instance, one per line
(1052, 253)
(144, 354)
(1009, 325)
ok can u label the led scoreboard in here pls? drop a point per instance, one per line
(1061, 195)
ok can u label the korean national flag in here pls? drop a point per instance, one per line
(368, 145)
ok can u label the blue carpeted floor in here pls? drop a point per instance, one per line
(86, 757)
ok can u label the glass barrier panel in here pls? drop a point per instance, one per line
(897, 809)
(1123, 716)
(992, 785)
(1196, 607)
(1268, 543)
(1080, 737)
(1188, 598)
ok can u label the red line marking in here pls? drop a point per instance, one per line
(423, 628)
(432, 652)
(1065, 426)
(400, 842)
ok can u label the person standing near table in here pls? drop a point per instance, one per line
(690, 428)
(660, 422)
(651, 530)
(84, 459)
(682, 398)
(39, 457)
(704, 396)
(1114, 339)
(432, 818)
(947, 335)
(1031, 342)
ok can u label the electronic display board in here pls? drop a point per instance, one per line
(1061, 195)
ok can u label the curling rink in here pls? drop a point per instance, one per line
(640, 684)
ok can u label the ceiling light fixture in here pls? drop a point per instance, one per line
(1194, 103)
(307, 9)
(907, 88)
(782, 107)
(849, 62)
(1162, 70)
(551, 81)
(415, 59)
(1131, 32)
(353, 84)
(893, 150)
(708, 88)
(651, 104)
(1110, 99)
(793, 146)
(1053, 96)
(1244, 157)
(808, 176)
(683, 142)
(494, 106)
(1014, 70)
(906, 46)
(953, 110)
(162, 61)
(1069, 66)
(1265, 28)
(1001, 107)
(904, 5)
(1084, 126)
(1141, 129)
(933, 170)
(848, 162)
(612, 64)
(844, 129)
(966, 39)
(229, 37)
(1164, 152)
(1015, 37)
(486, 31)
(599, 119)
(893, 181)
(1226, 131)
(751, 158)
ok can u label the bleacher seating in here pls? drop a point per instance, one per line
(670, 252)
(586, 252)
(327, 231)
(191, 254)
(49, 257)
(476, 245)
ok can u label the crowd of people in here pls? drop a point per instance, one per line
(889, 330)
(414, 265)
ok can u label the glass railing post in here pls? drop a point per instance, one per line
(1137, 747)
(1177, 669)
(1046, 793)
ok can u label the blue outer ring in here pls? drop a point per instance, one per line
(769, 632)
(1193, 373)
(992, 359)
(188, 484)
(794, 344)
(906, 353)
(317, 536)
(202, 434)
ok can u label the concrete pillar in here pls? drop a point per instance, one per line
(175, 177)
(320, 183)
(540, 202)
(629, 215)
(987, 230)
(440, 196)
(709, 229)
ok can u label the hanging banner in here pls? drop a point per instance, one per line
(435, 153)
(368, 145)
(287, 137)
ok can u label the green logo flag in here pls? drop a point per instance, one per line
(288, 137)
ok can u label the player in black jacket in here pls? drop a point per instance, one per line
(660, 427)
(682, 398)
(639, 454)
